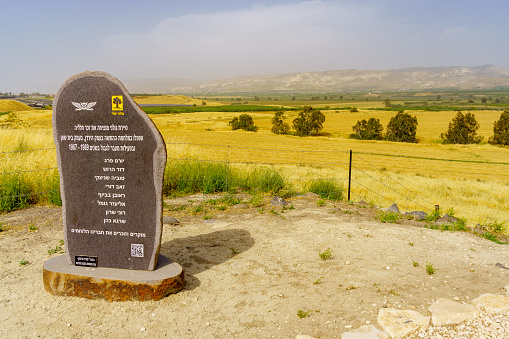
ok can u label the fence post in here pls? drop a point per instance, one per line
(227, 168)
(350, 175)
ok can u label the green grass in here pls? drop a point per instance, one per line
(387, 217)
(193, 176)
(429, 268)
(326, 189)
(15, 192)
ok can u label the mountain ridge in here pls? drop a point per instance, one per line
(403, 79)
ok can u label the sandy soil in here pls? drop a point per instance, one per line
(249, 273)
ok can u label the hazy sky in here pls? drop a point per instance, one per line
(42, 43)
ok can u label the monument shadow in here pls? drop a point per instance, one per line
(199, 253)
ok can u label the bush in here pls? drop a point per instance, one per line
(462, 130)
(367, 130)
(402, 128)
(309, 122)
(245, 122)
(501, 130)
(279, 126)
(326, 189)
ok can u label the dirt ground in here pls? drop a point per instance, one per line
(249, 271)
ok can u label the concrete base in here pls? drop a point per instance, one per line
(112, 284)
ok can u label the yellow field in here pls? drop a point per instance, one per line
(472, 179)
(171, 100)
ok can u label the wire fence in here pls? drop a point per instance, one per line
(300, 169)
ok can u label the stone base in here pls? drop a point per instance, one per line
(112, 284)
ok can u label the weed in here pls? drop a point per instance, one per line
(256, 200)
(207, 217)
(303, 314)
(348, 235)
(411, 243)
(198, 209)
(57, 249)
(416, 264)
(433, 216)
(320, 202)
(276, 213)
(61, 242)
(32, 227)
(2, 227)
(491, 237)
(497, 227)
(221, 208)
(288, 208)
(347, 212)
(318, 281)
(176, 208)
(261, 210)
(394, 293)
(23, 262)
(387, 217)
(327, 254)
(429, 268)
(352, 287)
(234, 250)
(52, 186)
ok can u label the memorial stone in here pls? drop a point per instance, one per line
(111, 160)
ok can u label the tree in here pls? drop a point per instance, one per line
(387, 103)
(279, 126)
(245, 122)
(367, 130)
(462, 130)
(501, 130)
(308, 122)
(402, 128)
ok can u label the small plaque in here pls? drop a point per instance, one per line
(83, 260)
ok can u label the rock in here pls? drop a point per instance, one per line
(446, 219)
(170, 221)
(242, 206)
(365, 332)
(399, 323)
(393, 208)
(303, 336)
(418, 215)
(277, 201)
(448, 312)
(492, 303)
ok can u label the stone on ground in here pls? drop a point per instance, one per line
(492, 303)
(399, 323)
(448, 312)
(365, 332)
(393, 208)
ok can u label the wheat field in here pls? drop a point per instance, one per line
(471, 179)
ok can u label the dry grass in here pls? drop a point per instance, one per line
(473, 179)
(13, 106)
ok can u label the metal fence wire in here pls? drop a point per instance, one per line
(358, 178)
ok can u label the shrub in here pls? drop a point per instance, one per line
(501, 130)
(308, 122)
(462, 130)
(326, 189)
(402, 128)
(245, 122)
(279, 126)
(367, 130)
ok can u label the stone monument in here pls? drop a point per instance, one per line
(111, 160)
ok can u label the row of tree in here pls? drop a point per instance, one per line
(401, 128)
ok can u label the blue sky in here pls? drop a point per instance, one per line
(44, 42)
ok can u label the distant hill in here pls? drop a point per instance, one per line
(416, 78)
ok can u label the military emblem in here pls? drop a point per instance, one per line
(84, 106)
